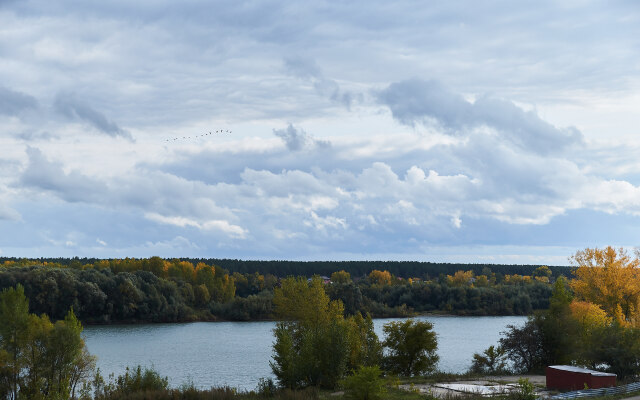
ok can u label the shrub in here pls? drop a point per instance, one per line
(524, 391)
(364, 384)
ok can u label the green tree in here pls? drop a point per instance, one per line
(411, 347)
(364, 347)
(491, 361)
(542, 272)
(5, 375)
(201, 295)
(311, 345)
(560, 331)
(14, 323)
(63, 352)
(82, 370)
(523, 345)
(315, 345)
(37, 358)
(36, 348)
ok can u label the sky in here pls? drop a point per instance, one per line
(453, 131)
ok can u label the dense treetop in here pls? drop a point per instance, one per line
(169, 290)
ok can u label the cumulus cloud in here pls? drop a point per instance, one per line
(384, 201)
(419, 101)
(12, 102)
(72, 108)
(297, 139)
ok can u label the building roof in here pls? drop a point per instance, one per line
(570, 368)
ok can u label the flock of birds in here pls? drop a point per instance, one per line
(197, 136)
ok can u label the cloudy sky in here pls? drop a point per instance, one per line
(458, 131)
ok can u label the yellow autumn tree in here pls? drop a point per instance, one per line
(461, 278)
(609, 278)
(589, 315)
(380, 277)
(341, 276)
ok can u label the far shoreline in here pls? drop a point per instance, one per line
(216, 320)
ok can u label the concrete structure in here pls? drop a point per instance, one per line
(565, 377)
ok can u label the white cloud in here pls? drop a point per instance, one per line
(234, 231)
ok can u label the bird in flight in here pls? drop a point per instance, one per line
(220, 131)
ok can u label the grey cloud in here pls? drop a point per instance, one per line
(42, 174)
(418, 101)
(302, 68)
(33, 135)
(70, 107)
(298, 139)
(12, 102)
(308, 70)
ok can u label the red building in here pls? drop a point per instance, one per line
(565, 377)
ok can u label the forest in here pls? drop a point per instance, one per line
(174, 290)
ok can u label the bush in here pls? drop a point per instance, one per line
(364, 384)
(266, 387)
(524, 391)
(140, 380)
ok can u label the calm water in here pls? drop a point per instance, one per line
(238, 353)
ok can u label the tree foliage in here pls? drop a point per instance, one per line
(380, 277)
(38, 358)
(411, 347)
(491, 361)
(170, 290)
(609, 278)
(315, 344)
(523, 345)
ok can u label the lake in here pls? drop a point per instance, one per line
(238, 353)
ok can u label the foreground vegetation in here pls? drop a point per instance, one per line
(320, 345)
(159, 290)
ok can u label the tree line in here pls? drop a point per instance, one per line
(284, 268)
(161, 290)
